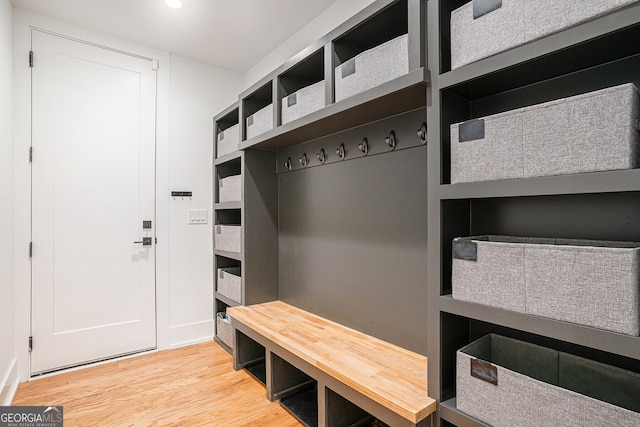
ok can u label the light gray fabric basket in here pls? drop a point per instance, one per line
(496, 26)
(302, 102)
(509, 383)
(260, 122)
(228, 238)
(230, 189)
(228, 141)
(224, 330)
(230, 283)
(372, 67)
(591, 283)
(596, 131)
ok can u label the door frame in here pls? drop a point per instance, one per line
(24, 23)
(117, 333)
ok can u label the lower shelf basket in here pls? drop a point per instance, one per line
(224, 330)
(506, 382)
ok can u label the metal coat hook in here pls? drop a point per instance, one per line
(304, 161)
(391, 140)
(340, 151)
(321, 156)
(287, 164)
(364, 146)
(422, 133)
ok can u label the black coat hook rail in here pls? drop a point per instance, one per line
(378, 138)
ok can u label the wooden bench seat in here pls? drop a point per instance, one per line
(391, 376)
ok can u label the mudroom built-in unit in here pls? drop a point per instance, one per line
(457, 179)
(533, 191)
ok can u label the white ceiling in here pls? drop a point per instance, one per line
(231, 34)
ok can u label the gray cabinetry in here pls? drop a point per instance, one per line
(334, 202)
(587, 57)
(245, 229)
(347, 213)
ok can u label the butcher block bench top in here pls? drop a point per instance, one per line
(390, 375)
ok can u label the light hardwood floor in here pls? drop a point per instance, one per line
(190, 386)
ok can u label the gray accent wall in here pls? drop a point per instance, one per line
(352, 243)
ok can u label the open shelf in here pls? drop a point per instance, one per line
(227, 206)
(595, 182)
(254, 102)
(461, 105)
(343, 413)
(403, 94)
(384, 26)
(251, 356)
(228, 158)
(228, 301)
(258, 370)
(227, 254)
(620, 344)
(458, 331)
(302, 77)
(227, 119)
(230, 173)
(449, 412)
(303, 406)
(223, 332)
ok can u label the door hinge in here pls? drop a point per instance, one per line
(31, 58)
(30, 344)
(155, 64)
(30, 249)
(30, 154)
(156, 240)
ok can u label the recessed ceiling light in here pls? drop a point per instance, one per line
(176, 4)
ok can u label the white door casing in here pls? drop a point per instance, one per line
(93, 184)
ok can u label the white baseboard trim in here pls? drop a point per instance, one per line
(9, 384)
(193, 333)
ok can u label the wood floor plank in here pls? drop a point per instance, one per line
(190, 386)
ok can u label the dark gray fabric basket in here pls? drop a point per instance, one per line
(511, 383)
(592, 283)
(482, 28)
(596, 131)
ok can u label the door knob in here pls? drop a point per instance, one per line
(146, 241)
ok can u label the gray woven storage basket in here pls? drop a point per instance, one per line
(591, 283)
(510, 383)
(596, 131)
(482, 28)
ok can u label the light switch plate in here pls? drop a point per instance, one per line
(198, 216)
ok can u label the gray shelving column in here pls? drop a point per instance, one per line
(586, 57)
(248, 273)
(227, 264)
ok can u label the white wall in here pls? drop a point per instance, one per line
(198, 92)
(7, 364)
(189, 95)
(324, 23)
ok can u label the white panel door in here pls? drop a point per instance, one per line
(93, 178)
